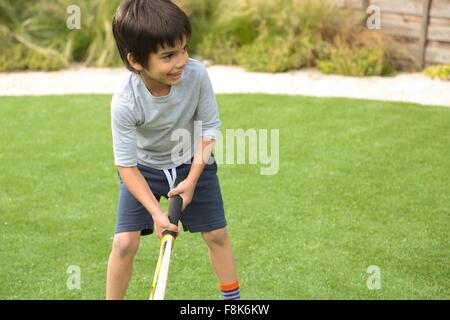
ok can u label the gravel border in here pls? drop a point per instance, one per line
(405, 87)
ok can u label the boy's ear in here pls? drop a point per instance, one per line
(136, 65)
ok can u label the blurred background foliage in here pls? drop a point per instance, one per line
(36, 36)
(441, 72)
(260, 35)
(282, 35)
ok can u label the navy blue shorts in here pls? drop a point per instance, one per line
(204, 213)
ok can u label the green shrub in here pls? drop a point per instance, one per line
(40, 25)
(277, 36)
(204, 14)
(80, 45)
(17, 57)
(37, 61)
(279, 54)
(265, 55)
(440, 71)
(227, 28)
(261, 35)
(225, 53)
(359, 62)
(34, 25)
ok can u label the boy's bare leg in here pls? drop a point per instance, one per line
(221, 255)
(120, 264)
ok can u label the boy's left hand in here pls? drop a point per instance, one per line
(186, 190)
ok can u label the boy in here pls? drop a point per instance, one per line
(165, 91)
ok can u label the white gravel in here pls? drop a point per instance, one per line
(407, 87)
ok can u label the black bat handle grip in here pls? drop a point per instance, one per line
(175, 206)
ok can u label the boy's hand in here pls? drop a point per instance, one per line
(161, 222)
(186, 190)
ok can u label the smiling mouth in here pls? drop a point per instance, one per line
(175, 74)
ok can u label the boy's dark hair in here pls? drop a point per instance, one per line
(140, 26)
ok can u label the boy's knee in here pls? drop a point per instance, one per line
(126, 244)
(217, 237)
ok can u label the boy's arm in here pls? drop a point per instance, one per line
(136, 184)
(207, 112)
(201, 157)
(186, 187)
(123, 125)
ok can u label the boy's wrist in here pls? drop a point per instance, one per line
(192, 179)
(156, 213)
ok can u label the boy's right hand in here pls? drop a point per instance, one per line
(161, 222)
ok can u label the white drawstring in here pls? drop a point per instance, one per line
(171, 178)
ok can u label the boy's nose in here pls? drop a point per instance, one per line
(180, 67)
(182, 63)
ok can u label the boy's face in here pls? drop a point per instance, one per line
(165, 66)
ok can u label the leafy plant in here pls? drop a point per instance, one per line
(41, 26)
(355, 51)
(261, 35)
(96, 31)
(27, 23)
(277, 36)
(225, 53)
(18, 57)
(365, 61)
(202, 14)
(278, 54)
(440, 71)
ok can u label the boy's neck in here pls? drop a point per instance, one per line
(157, 89)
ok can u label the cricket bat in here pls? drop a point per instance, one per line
(159, 282)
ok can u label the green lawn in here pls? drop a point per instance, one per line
(360, 183)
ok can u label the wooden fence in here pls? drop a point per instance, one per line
(422, 26)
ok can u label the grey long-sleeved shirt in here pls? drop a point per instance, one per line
(142, 124)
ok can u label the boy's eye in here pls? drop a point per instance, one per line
(170, 55)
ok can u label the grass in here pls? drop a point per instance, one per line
(360, 183)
